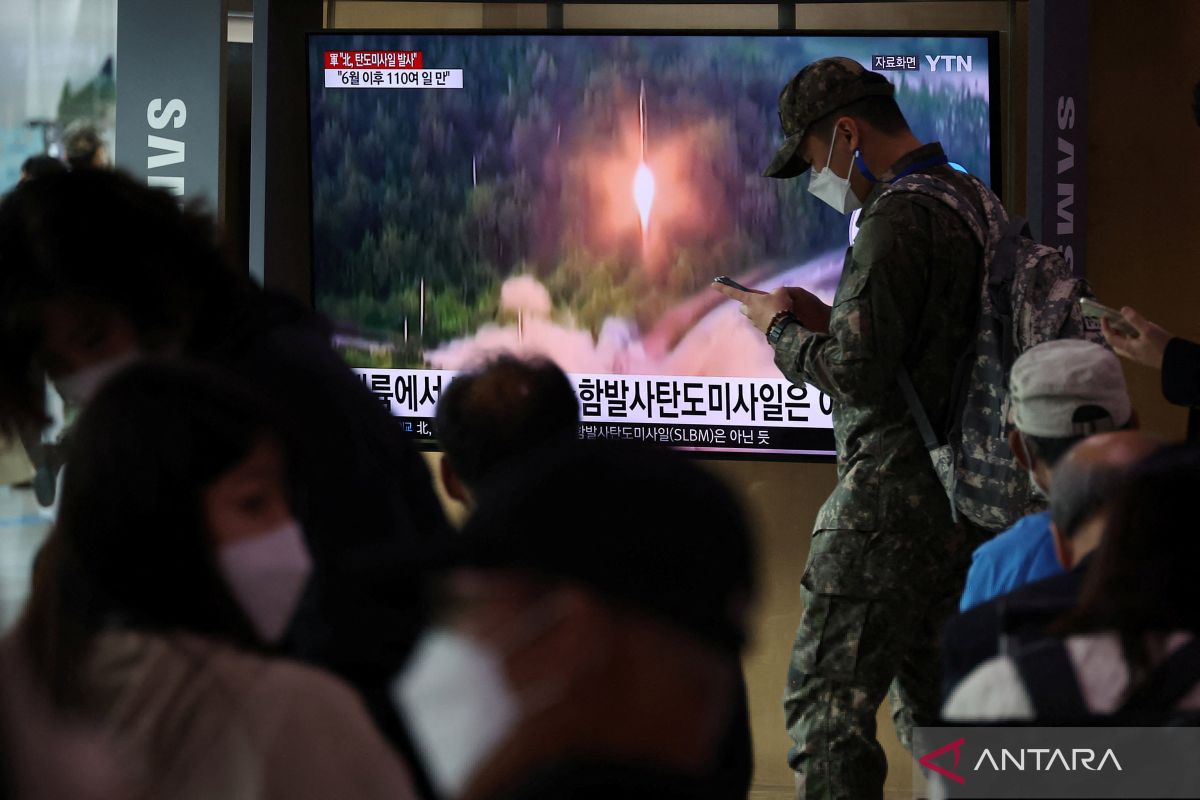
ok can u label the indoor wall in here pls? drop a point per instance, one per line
(1144, 157)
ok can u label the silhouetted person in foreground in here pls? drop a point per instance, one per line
(175, 565)
(486, 419)
(98, 271)
(590, 620)
(40, 166)
(492, 414)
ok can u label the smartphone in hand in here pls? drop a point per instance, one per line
(1093, 310)
(725, 280)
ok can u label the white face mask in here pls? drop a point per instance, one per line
(832, 190)
(1037, 486)
(267, 575)
(81, 386)
(458, 704)
(457, 700)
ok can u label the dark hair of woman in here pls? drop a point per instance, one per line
(131, 545)
(101, 236)
(1142, 580)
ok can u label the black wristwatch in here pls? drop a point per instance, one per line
(779, 323)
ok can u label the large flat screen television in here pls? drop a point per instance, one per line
(573, 194)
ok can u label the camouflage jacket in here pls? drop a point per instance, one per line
(908, 295)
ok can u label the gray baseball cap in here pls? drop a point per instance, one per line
(816, 91)
(1050, 383)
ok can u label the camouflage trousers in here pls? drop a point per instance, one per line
(871, 628)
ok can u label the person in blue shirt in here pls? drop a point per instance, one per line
(1085, 480)
(1061, 392)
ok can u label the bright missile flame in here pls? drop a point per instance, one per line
(643, 194)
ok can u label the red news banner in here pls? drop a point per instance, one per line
(386, 69)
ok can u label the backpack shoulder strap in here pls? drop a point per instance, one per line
(1049, 678)
(947, 193)
(1169, 682)
(1004, 262)
(924, 426)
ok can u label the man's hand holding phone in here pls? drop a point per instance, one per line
(761, 307)
(808, 308)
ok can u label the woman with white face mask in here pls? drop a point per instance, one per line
(175, 565)
(101, 271)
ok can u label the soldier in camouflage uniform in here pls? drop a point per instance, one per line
(887, 562)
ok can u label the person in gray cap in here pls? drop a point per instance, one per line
(1061, 392)
(887, 560)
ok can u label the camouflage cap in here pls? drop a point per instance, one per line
(818, 90)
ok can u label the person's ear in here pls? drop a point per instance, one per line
(1017, 445)
(847, 128)
(1062, 548)
(452, 483)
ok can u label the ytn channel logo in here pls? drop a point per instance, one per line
(935, 63)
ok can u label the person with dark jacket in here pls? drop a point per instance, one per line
(508, 407)
(97, 270)
(1178, 360)
(562, 664)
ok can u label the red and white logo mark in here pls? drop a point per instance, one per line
(927, 761)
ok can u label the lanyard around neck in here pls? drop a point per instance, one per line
(932, 161)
